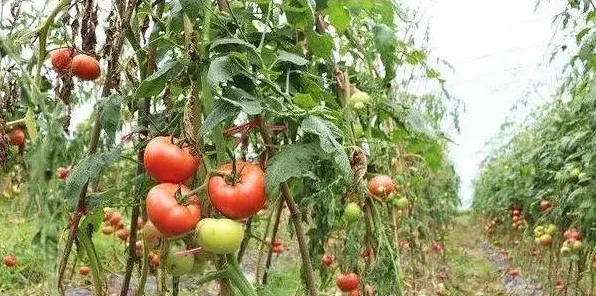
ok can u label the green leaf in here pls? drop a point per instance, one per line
(86, 170)
(320, 45)
(300, 13)
(221, 111)
(221, 69)
(231, 41)
(328, 134)
(293, 161)
(415, 57)
(154, 84)
(385, 42)
(284, 56)
(194, 8)
(109, 115)
(304, 101)
(339, 17)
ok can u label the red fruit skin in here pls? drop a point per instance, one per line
(61, 59)
(276, 242)
(348, 282)
(10, 260)
(244, 198)
(278, 249)
(84, 270)
(167, 215)
(115, 219)
(168, 163)
(327, 260)
(85, 67)
(381, 185)
(122, 234)
(16, 137)
(62, 173)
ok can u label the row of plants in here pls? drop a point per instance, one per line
(535, 190)
(214, 123)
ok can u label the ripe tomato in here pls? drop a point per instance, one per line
(84, 270)
(151, 235)
(516, 212)
(107, 230)
(239, 198)
(153, 259)
(178, 265)
(85, 67)
(61, 59)
(352, 212)
(545, 205)
(381, 185)
(276, 242)
(10, 260)
(348, 282)
(278, 249)
(122, 234)
(168, 163)
(168, 216)
(219, 236)
(62, 173)
(115, 218)
(16, 137)
(327, 260)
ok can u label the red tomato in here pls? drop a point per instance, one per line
(85, 67)
(167, 215)
(115, 219)
(168, 163)
(276, 242)
(61, 59)
(327, 260)
(62, 173)
(381, 185)
(10, 260)
(278, 249)
(153, 259)
(348, 282)
(516, 212)
(16, 137)
(84, 270)
(242, 197)
(122, 234)
(545, 205)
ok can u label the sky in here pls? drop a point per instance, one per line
(500, 52)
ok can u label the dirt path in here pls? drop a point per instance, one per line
(478, 268)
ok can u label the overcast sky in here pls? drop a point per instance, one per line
(500, 52)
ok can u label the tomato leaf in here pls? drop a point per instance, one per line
(86, 170)
(109, 115)
(221, 111)
(328, 134)
(284, 56)
(221, 69)
(154, 84)
(291, 161)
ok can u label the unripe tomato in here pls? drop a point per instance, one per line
(359, 100)
(402, 203)
(168, 163)
(219, 236)
(107, 230)
(85, 67)
(151, 235)
(551, 229)
(241, 197)
(546, 240)
(178, 265)
(170, 217)
(327, 260)
(352, 212)
(84, 270)
(348, 282)
(16, 137)
(381, 185)
(61, 59)
(10, 260)
(62, 173)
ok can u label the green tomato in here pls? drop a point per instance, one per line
(575, 173)
(550, 229)
(358, 130)
(565, 250)
(352, 212)
(359, 100)
(402, 203)
(178, 265)
(219, 236)
(577, 245)
(539, 231)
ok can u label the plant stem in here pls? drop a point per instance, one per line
(296, 217)
(245, 240)
(237, 277)
(273, 235)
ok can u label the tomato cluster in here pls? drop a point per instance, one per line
(81, 65)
